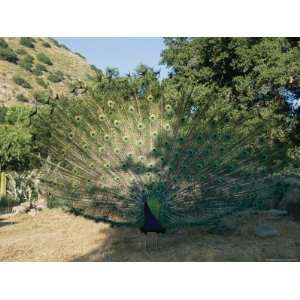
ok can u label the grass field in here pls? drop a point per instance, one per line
(54, 235)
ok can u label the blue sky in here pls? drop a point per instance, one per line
(122, 53)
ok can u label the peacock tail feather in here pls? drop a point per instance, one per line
(193, 164)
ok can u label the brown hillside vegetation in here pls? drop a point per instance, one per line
(54, 235)
(40, 74)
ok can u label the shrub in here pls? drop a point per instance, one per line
(64, 46)
(3, 44)
(27, 42)
(41, 82)
(26, 62)
(41, 96)
(55, 42)
(8, 55)
(56, 77)
(44, 59)
(21, 51)
(22, 98)
(39, 69)
(80, 55)
(22, 82)
(46, 45)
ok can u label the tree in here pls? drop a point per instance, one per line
(17, 143)
(248, 71)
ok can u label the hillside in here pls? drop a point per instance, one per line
(31, 68)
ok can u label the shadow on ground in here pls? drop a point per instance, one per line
(196, 244)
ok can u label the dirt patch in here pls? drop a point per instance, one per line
(54, 235)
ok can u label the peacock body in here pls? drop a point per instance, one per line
(109, 157)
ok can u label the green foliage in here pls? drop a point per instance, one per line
(17, 139)
(41, 82)
(3, 44)
(55, 42)
(7, 203)
(55, 77)
(27, 42)
(64, 46)
(46, 45)
(41, 96)
(39, 69)
(21, 51)
(22, 82)
(80, 55)
(44, 59)
(8, 55)
(22, 98)
(246, 71)
(26, 62)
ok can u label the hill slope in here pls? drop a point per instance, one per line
(34, 67)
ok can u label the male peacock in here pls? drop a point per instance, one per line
(158, 161)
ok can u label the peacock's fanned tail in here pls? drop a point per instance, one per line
(107, 156)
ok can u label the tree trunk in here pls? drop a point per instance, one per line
(3, 183)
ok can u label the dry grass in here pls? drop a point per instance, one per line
(73, 67)
(54, 235)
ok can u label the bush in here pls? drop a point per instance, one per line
(46, 45)
(64, 46)
(26, 62)
(8, 55)
(22, 82)
(41, 82)
(21, 51)
(22, 98)
(55, 42)
(39, 69)
(80, 55)
(44, 59)
(3, 44)
(56, 77)
(41, 97)
(7, 203)
(27, 42)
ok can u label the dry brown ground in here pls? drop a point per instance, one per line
(54, 235)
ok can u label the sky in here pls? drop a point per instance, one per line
(122, 53)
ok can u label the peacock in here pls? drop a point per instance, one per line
(157, 160)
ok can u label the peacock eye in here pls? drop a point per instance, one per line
(140, 143)
(110, 103)
(102, 178)
(117, 150)
(125, 139)
(140, 126)
(101, 149)
(154, 149)
(131, 109)
(141, 158)
(71, 135)
(117, 179)
(168, 108)
(130, 154)
(101, 117)
(162, 158)
(167, 127)
(77, 118)
(150, 166)
(107, 165)
(107, 137)
(117, 123)
(152, 117)
(154, 134)
(150, 98)
(93, 133)
(91, 165)
(85, 146)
